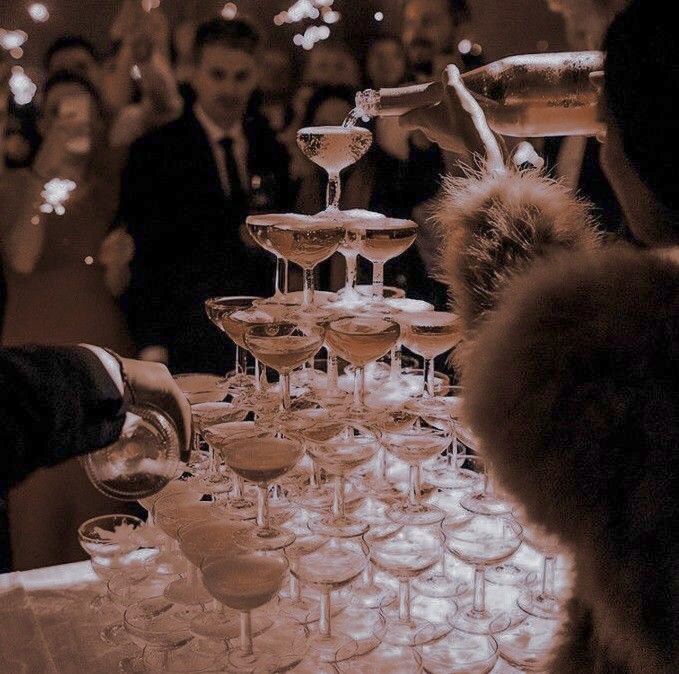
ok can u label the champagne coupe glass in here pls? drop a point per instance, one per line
(284, 346)
(383, 240)
(161, 628)
(484, 502)
(527, 646)
(429, 334)
(414, 446)
(482, 540)
(202, 542)
(405, 555)
(359, 341)
(459, 653)
(111, 542)
(331, 567)
(244, 582)
(307, 244)
(141, 462)
(333, 148)
(218, 310)
(542, 602)
(259, 227)
(262, 460)
(340, 456)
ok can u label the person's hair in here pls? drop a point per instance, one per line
(66, 77)
(234, 34)
(69, 42)
(459, 10)
(642, 89)
(325, 93)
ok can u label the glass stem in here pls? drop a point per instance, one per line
(193, 575)
(404, 600)
(277, 278)
(332, 373)
(381, 464)
(548, 569)
(243, 361)
(308, 297)
(324, 619)
(245, 633)
(413, 486)
(332, 195)
(263, 506)
(295, 588)
(395, 371)
(338, 497)
(258, 384)
(359, 387)
(350, 280)
(285, 276)
(378, 279)
(238, 486)
(479, 605)
(285, 391)
(429, 375)
(237, 365)
(368, 574)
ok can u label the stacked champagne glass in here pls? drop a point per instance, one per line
(334, 515)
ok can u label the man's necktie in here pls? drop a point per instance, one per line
(237, 192)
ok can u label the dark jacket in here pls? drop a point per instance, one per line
(186, 233)
(55, 403)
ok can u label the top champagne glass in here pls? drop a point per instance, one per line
(333, 148)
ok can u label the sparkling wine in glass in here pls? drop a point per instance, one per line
(245, 582)
(429, 334)
(383, 240)
(333, 148)
(284, 346)
(359, 341)
(262, 460)
(307, 243)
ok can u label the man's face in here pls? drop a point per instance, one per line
(224, 80)
(427, 30)
(75, 60)
(386, 64)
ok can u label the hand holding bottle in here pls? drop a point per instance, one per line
(457, 123)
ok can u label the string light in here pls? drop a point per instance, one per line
(379, 16)
(56, 193)
(38, 12)
(22, 86)
(464, 46)
(302, 10)
(12, 39)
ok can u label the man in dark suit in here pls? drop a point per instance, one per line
(186, 192)
(60, 402)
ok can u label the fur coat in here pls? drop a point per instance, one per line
(570, 361)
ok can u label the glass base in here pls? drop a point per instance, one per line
(306, 610)
(115, 635)
(507, 573)
(277, 650)
(385, 659)
(166, 564)
(491, 621)
(264, 539)
(486, 504)
(540, 606)
(333, 648)
(439, 585)
(365, 626)
(374, 596)
(419, 514)
(183, 661)
(223, 625)
(340, 527)
(444, 476)
(459, 653)
(528, 645)
(413, 632)
(184, 592)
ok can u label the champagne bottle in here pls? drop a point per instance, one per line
(524, 96)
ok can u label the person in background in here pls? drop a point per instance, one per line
(385, 63)
(76, 55)
(187, 189)
(275, 88)
(59, 402)
(61, 282)
(569, 354)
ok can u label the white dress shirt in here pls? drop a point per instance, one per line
(215, 134)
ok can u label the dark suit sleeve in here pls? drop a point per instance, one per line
(56, 402)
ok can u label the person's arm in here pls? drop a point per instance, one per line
(55, 403)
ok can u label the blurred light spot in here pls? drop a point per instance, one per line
(35, 220)
(22, 86)
(229, 11)
(12, 39)
(55, 193)
(331, 17)
(148, 5)
(464, 46)
(38, 12)
(543, 45)
(89, 260)
(379, 16)
(16, 53)
(324, 32)
(476, 49)
(135, 73)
